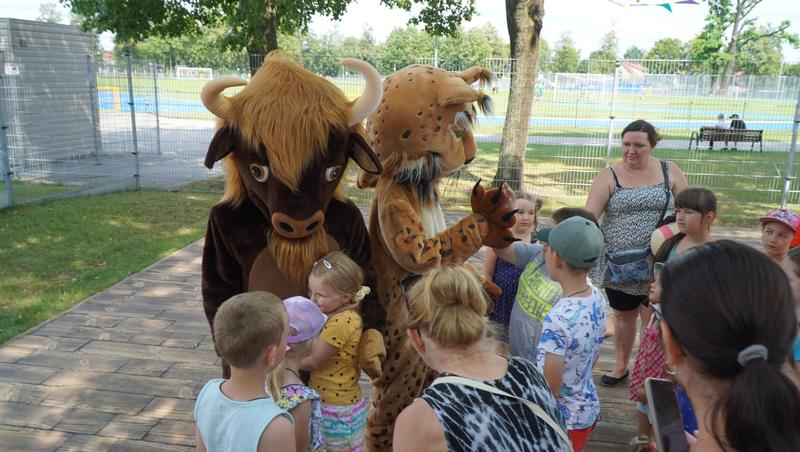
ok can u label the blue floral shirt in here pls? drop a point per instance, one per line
(574, 329)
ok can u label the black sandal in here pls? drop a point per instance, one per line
(608, 380)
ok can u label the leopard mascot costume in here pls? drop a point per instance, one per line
(421, 131)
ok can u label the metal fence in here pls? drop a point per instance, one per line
(138, 124)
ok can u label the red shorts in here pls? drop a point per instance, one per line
(580, 437)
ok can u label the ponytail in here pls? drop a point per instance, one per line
(275, 382)
(731, 310)
(760, 410)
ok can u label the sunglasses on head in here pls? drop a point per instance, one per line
(405, 286)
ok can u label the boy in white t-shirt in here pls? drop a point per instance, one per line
(574, 328)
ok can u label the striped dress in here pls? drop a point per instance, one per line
(475, 420)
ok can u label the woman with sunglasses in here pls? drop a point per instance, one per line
(728, 327)
(481, 400)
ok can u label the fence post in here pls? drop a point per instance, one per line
(788, 177)
(5, 165)
(133, 121)
(153, 68)
(93, 96)
(611, 114)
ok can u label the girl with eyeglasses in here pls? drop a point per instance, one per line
(336, 286)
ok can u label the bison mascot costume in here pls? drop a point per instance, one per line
(285, 141)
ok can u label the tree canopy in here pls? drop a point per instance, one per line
(566, 56)
(666, 49)
(250, 24)
(49, 12)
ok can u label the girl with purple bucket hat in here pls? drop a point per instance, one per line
(285, 384)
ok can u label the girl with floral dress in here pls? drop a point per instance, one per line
(289, 392)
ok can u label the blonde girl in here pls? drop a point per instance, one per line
(336, 286)
(286, 386)
(504, 274)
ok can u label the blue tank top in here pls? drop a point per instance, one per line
(228, 425)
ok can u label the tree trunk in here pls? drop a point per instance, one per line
(733, 49)
(267, 37)
(524, 25)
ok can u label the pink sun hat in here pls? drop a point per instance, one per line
(784, 216)
(304, 317)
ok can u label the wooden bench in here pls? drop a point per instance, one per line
(712, 134)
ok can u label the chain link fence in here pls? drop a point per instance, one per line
(135, 124)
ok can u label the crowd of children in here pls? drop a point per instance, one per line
(550, 314)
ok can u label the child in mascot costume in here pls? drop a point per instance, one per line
(285, 141)
(421, 131)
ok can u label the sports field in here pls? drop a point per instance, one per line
(556, 113)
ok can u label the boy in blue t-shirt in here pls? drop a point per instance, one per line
(237, 414)
(574, 328)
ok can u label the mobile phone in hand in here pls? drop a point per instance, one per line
(666, 415)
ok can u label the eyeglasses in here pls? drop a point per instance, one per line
(405, 286)
(313, 296)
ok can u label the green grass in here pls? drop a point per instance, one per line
(26, 191)
(58, 253)
(745, 183)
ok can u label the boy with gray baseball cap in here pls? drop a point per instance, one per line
(574, 328)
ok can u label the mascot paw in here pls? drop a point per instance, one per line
(497, 207)
(371, 353)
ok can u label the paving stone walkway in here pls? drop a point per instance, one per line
(120, 371)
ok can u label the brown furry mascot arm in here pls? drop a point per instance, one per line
(403, 233)
(222, 274)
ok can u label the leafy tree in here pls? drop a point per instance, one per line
(524, 18)
(49, 12)
(438, 17)
(761, 56)
(252, 24)
(603, 59)
(730, 26)
(792, 70)
(545, 56)
(402, 47)
(471, 47)
(363, 47)
(566, 57)
(634, 53)
(666, 49)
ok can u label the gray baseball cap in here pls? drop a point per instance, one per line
(576, 240)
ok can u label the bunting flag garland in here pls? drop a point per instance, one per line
(667, 6)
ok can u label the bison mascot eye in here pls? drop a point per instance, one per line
(259, 172)
(332, 173)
